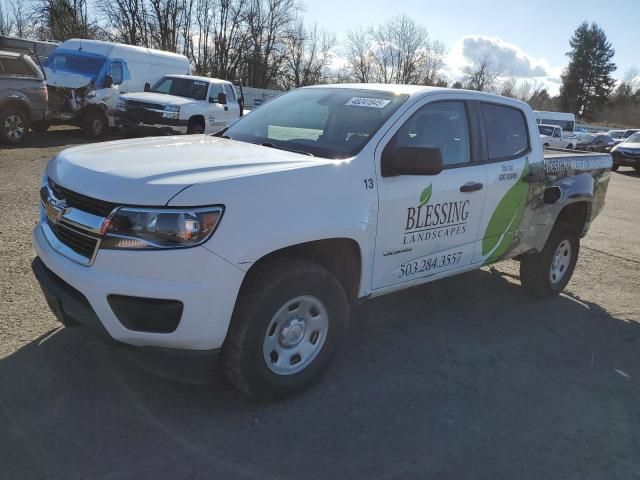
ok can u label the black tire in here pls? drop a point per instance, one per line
(265, 292)
(546, 145)
(95, 123)
(14, 124)
(40, 126)
(536, 269)
(637, 169)
(195, 128)
(615, 168)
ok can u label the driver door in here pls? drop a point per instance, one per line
(429, 225)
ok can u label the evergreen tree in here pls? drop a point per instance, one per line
(587, 82)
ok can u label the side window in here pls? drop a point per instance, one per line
(116, 73)
(443, 125)
(16, 66)
(231, 93)
(214, 90)
(507, 134)
(556, 133)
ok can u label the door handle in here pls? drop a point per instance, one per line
(471, 187)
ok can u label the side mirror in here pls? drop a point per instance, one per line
(147, 87)
(108, 81)
(222, 98)
(412, 161)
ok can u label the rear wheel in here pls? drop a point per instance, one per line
(547, 273)
(289, 320)
(95, 123)
(13, 125)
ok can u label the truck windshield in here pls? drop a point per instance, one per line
(326, 122)
(76, 62)
(182, 87)
(635, 138)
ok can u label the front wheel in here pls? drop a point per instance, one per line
(614, 167)
(95, 124)
(547, 273)
(289, 320)
(13, 125)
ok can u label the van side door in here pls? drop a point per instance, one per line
(429, 225)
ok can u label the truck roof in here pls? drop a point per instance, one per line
(415, 90)
(199, 78)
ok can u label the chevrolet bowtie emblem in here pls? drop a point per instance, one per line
(55, 209)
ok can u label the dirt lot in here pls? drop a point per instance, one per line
(498, 386)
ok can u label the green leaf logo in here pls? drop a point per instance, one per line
(425, 196)
(506, 218)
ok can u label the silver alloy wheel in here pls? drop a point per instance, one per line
(97, 126)
(560, 262)
(295, 335)
(14, 127)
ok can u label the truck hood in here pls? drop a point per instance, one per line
(629, 146)
(59, 78)
(160, 98)
(150, 171)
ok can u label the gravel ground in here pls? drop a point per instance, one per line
(498, 386)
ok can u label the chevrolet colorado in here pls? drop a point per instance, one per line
(248, 246)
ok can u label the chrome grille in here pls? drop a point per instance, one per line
(82, 202)
(81, 243)
(72, 222)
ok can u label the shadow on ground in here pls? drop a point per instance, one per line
(465, 378)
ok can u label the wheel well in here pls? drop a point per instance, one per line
(340, 256)
(575, 214)
(197, 119)
(16, 103)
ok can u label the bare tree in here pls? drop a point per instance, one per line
(481, 77)
(6, 22)
(308, 55)
(63, 19)
(359, 55)
(127, 21)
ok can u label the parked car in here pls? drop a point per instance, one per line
(596, 143)
(23, 97)
(552, 136)
(248, 246)
(627, 153)
(86, 78)
(181, 103)
(617, 135)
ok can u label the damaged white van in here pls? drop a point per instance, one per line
(85, 78)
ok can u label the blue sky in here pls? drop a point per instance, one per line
(531, 34)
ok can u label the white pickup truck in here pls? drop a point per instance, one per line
(250, 245)
(553, 136)
(180, 104)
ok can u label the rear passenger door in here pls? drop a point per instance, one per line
(508, 147)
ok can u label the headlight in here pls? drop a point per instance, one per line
(171, 111)
(148, 228)
(121, 104)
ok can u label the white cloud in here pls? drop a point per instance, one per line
(508, 58)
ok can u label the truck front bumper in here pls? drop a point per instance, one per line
(138, 121)
(626, 159)
(204, 284)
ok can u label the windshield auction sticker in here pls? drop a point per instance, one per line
(368, 102)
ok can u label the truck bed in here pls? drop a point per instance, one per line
(558, 160)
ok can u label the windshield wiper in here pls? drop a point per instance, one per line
(279, 147)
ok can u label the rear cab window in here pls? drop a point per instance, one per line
(506, 131)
